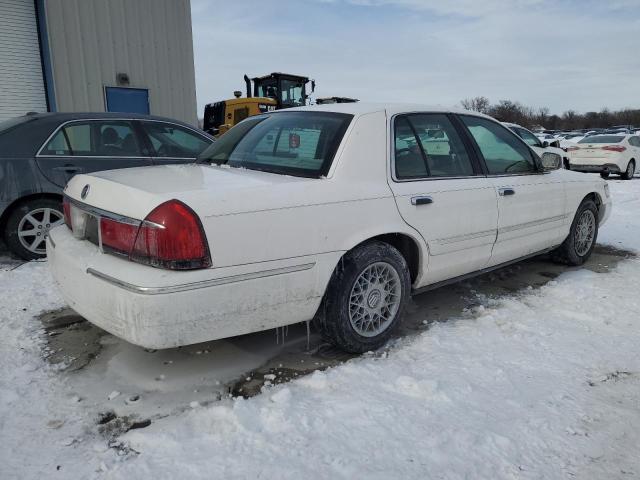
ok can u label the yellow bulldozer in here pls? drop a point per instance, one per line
(264, 94)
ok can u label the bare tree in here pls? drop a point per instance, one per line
(477, 104)
(515, 112)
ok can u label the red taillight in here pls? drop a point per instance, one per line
(172, 237)
(118, 236)
(571, 149)
(614, 148)
(66, 208)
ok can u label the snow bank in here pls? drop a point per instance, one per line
(544, 384)
(531, 386)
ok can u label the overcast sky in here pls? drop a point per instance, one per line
(562, 54)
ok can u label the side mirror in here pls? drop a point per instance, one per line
(551, 161)
(545, 144)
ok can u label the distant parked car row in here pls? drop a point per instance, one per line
(40, 153)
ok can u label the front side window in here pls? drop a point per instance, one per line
(529, 138)
(174, 141)
(293, 143)
(95, 138)
(428, 145)
(504, 153)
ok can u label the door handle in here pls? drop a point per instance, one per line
(421, 200)
(506, 191)
(68, 169)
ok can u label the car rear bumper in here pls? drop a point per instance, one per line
(157, 308)
(607, 167)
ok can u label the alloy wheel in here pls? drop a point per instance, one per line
(584, 233)
(34, 228)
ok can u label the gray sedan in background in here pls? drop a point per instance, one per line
(40, 153)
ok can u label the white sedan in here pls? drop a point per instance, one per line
(606, 154)
(336, 213)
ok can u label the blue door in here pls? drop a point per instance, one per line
(127, 100)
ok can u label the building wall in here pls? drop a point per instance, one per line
(91, 41)
(21, 81)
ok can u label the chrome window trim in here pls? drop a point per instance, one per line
(392, 158)
(114, 119)
(201, 284)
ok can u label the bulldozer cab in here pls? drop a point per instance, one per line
(264, 94)
(286, 89)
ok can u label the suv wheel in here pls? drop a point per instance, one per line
(577, 247)
(366, 298)
(630, 171)
(28, 225)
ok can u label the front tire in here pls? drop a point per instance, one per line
(578, 246)
(630, 171)
(366, 298)
(28, 225)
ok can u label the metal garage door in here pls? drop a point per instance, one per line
(21, 83)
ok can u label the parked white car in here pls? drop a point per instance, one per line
(606, 154)
(541, 147)
(335, 212)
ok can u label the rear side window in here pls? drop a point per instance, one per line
(171, 140)
(94, 139)
(292, 143)
(504, 153)
(428, 145)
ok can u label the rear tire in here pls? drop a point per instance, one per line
(578, 246)
(630, 171)
(366, 298)
(28, 225)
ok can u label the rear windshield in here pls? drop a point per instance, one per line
(602, 139)
(12, 122)
(290, 143)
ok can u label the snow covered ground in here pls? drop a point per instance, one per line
(543, 383)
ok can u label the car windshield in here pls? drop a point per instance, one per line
(291, 143)
(602, 139)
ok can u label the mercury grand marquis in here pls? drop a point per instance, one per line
(334, 213)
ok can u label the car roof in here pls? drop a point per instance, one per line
(66, 116)
(363, 108)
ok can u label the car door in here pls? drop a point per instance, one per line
(441, 192)
(172, 143)
(84, 146)
(531, 203)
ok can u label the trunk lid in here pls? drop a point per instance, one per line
(208, 189)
